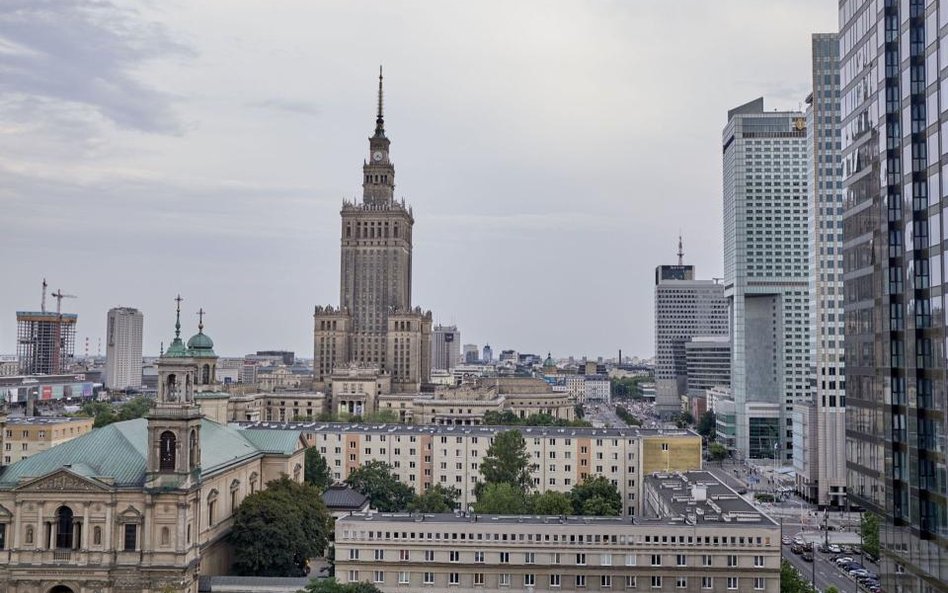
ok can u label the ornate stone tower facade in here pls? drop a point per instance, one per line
(371, 326)
(174, 424)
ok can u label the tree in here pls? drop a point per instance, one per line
(134, 408)
(596, 495)
(436, 499)
(501, 498)
(385, 416)
(791, 581)
(501, 418)
(869, 530)
(551, 503)
(707, 425)
(717, 451)
(277, 530)
(333, 586)
(316, 471)
(684, 420)
(507, 462)
(105, 413)
(376, 480)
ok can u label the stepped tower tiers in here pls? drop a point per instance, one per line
(375, 325)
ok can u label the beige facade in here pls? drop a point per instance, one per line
(422, 456)
(466, 553)
(266, 407)
(24, 436)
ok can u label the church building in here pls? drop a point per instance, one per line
(143, 505)
(375, 329)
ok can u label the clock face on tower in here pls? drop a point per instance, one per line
(378, 155)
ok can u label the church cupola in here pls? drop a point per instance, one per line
(201, 349)
(174, 423)
(378, 185)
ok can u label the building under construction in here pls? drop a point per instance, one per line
(45, 342)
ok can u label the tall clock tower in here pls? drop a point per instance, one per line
(378, 185)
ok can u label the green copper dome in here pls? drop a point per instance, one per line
(176, 349)
(201, 344)
(549, 363)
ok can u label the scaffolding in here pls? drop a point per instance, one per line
(46, 341)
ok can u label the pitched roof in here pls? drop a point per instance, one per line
(118, 453)
(342, 497)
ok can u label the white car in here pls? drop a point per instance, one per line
(834, 549)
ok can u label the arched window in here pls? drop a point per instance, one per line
(165, 536)
(234, 488)
(29, 534)
(193, 460)
(206, 375)
(211, 507)
(297, 472)
(97, 535)
(172, 388)
(166, 454)
(253, 482)
(64, 528)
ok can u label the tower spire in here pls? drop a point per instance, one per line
(681, 252)
(201, 320)
(379, 120)
(177, 319)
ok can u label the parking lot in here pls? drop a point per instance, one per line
(827, 572)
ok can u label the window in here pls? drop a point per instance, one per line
(378, 577)
(479, 578)
(353, 576)
(380, 554)
(605, 560)
(681, 582)
(529, 557)
(656, 559)
(707, 583)
(3, 536)
(580, 580)
(605, 581)
(64, 529)
(454, 556)
(760, 583)
(630, 581)
(429, 578)
(479, 557)
(504, 580)
(429, 555)
(403, 577)
(404, 555)
(706, 560)
(505, 557)
(732, 559)
(555, 558)
(454, 578)
(529, 580)
(167, 451)
(732, 583)
(131, 537)
(353, 554)
(680, 560)
(758, 561)
(656, 582)
(554, 581)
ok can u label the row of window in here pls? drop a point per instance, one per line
(556, 558)
(556, 580)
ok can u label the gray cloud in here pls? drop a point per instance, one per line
(287, 105)
(85, 53)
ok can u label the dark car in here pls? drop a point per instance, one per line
(807, 556)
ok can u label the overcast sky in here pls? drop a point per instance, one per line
(552, 152)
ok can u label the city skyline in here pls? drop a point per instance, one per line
(172, 149)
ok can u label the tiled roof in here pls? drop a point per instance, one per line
(118, 452)
(342, 497)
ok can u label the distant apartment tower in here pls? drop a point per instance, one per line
(893, 134)
(708, 360)
(820, 466)
(766, 274)
(445, 347)
(123, 350)
(684, 308)
(46, 341)
(470, 354)
(288, 358)
(488, 355)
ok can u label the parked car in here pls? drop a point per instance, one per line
(835, 549)
(807, 556)
(858, 572)
(787, 540)
(843, 560)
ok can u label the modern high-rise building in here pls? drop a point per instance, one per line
(123, 350)
(766, 274)
(445, 347)
(821, 472)
(375, 325)
(892, 64)
(470, 354)
(487, 356)
(45, 341)
(708, 365)
(684, 308)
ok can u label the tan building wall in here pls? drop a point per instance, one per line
(23, 437)
(488, 553)
(664, 453)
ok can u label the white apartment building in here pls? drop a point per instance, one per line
(424, 455)
(123, 353)
(684, 308)
(728, 547)
(766, 272)
(597, 389)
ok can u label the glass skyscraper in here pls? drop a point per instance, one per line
(891, 80)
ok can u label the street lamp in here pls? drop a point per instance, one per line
(774, 475)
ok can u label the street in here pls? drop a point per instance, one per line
(827, 573)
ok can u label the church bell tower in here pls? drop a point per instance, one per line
(174, 424)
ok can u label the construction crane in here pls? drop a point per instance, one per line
(59, 296)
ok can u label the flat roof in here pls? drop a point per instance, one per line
(461, 517)
(699, 497)
(46, 419)
(468, 430)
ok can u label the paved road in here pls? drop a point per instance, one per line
(826, 572)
